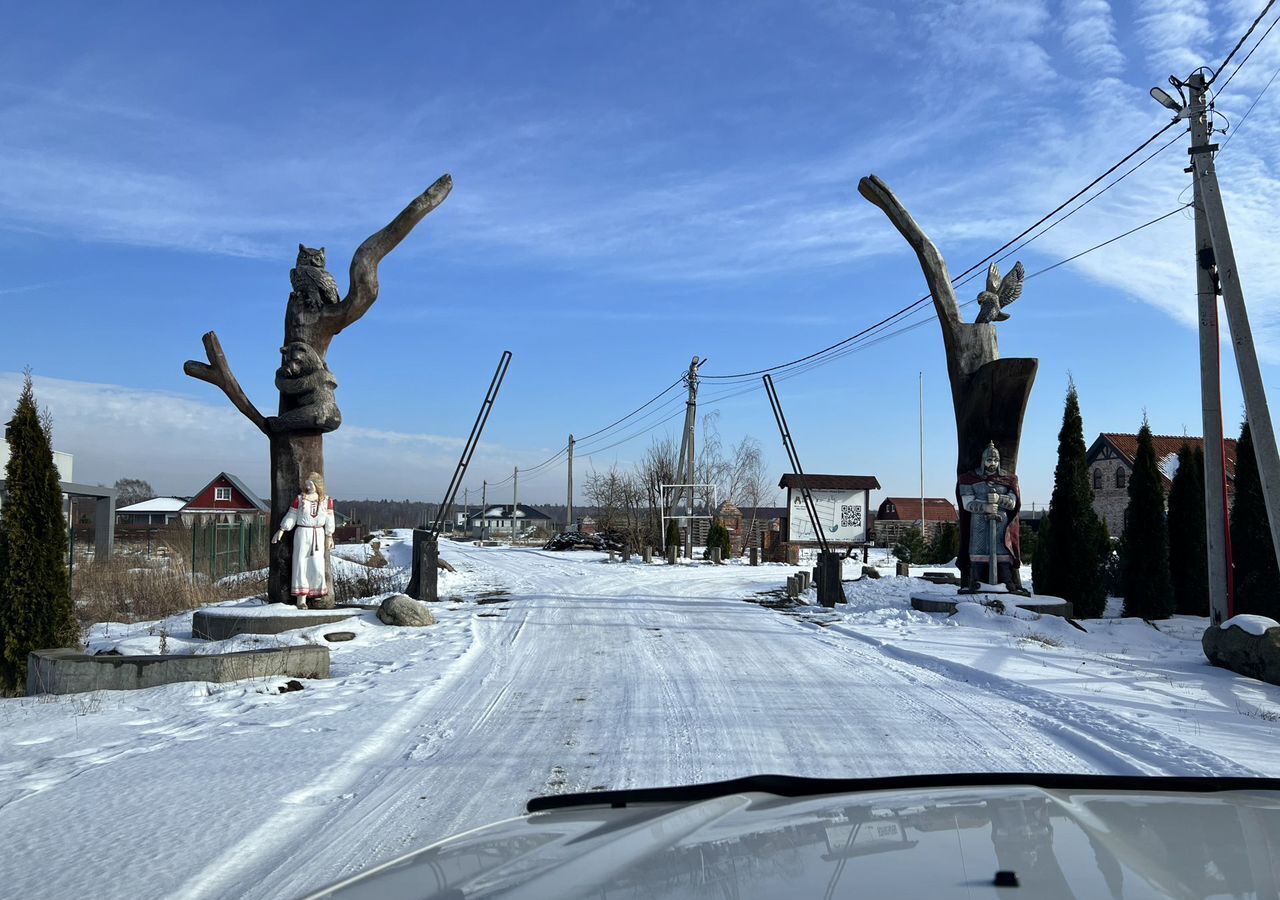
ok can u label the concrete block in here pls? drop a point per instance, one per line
(72, 672)
(217, 623)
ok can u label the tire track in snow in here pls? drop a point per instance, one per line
(1087, 729)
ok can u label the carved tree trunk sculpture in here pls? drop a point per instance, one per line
(307, 409)
(989, 394)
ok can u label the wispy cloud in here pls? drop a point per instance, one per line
(177, 443)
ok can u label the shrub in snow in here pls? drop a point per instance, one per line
(673, 534)
(1188, 555)
(718, 536)
(36, 612)
(1068, 557)
(1147, 592)
(1257, 577)
(910, 547)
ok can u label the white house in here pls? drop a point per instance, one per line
(156, 511)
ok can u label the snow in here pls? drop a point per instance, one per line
(1168, 465)
(575, 675)
(1256, 625)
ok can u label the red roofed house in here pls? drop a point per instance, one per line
(897, 514)
(225, 499)
(1110, 461)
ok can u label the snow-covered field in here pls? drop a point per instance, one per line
(576, 674)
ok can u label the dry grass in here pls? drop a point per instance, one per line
(129, 587)
(368, 582)
(125, 589)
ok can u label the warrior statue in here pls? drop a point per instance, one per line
(990, 550)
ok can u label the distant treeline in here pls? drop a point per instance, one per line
(387, 513)
(374, 514)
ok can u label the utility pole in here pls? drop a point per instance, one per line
(568, 523)
(1222, 258)
(515, 501)
(484, 509)
(690, 425)
(1215, 493)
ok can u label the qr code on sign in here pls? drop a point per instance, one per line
(850, 516)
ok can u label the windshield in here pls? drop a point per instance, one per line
(665, 395)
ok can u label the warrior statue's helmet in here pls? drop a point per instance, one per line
(991, 457)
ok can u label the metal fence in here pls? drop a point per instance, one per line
(219, 549)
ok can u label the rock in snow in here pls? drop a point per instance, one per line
(401, 609)
(1250, 647)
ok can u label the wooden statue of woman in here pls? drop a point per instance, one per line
(312, 522)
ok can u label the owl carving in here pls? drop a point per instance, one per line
(999, 293)
(312, 283)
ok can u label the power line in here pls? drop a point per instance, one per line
(958, 278)
(712, 401)
(1240, 124)
(555, 457)
(1240, 43)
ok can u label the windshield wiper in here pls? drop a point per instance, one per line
(799, 786)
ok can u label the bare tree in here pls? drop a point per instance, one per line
(659, 466)
(752, 483)
(132, 490)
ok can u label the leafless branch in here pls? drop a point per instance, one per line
(218, 373)
(363, 290)
(931, 261)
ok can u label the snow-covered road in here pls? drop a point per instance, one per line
(582, 676)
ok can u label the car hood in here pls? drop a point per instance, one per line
(938, 841)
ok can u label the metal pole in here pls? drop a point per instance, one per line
(1255, 396)
(1215, 491)
(922, 520)
(484, 509)
(515, 501)
(568, 523)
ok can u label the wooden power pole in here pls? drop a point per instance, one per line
(568, 517)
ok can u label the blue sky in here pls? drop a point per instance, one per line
(635, 183)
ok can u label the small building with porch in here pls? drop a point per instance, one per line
(843, 504)
(157, 512)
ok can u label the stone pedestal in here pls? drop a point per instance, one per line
(648, 554)
(672, 550)
(217, 623)
(755, 556)
(948, 602)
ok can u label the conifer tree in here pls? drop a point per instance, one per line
(1257, 581)
(1188, 550)
(35, 592)
(1147, 593)
(1070, 559)
(718, 536)
(673, 534)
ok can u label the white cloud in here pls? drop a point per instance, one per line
(178, 443)
(1090, 35)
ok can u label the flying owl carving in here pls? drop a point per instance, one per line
(1000, 292)
(311, 282)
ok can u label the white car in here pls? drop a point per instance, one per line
(980, 835)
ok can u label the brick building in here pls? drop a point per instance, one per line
(1110, 461)
(897, 514)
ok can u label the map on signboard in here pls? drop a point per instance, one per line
(841, 515)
